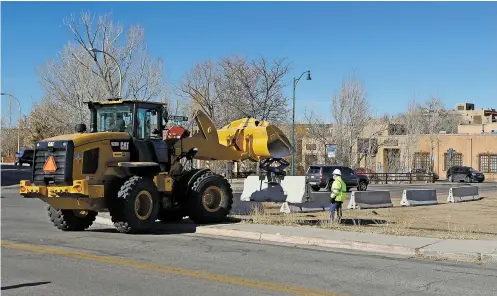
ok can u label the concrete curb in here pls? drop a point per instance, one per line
(11, 186)
(474, 257)
(103, 221)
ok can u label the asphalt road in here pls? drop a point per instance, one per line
(38, 259)
(11, 174)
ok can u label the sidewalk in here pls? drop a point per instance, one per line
(477, 251)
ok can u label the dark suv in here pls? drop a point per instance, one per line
(321, 176)
(464, 173)
(24, 156)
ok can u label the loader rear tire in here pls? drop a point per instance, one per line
(71, 220)
(137, 205)
(209, 199)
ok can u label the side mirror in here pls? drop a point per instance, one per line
(80, 128)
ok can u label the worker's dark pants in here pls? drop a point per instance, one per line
(335, 206)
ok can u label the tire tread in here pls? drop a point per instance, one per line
(117, 212)
(195, 208)
(67, 221)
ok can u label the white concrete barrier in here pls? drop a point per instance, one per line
(244, 207)
(464, 193)
(291, 189)
(419, 197)
(318, 201)
(370, 199)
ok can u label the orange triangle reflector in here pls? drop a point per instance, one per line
(50, 166)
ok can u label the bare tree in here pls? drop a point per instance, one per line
(7, 143)
(235, 87)
(368, 144)
(429, 117)
(202, 86)
(320, 131)
(412, 122)
(351, 113)
(79, 74)
(144, 74)
(436, 119)
(255, 88)
(46, 119)
(9, 133)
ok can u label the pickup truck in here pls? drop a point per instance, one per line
(320, 176)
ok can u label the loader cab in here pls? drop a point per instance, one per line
(143, 121)
(140, 119)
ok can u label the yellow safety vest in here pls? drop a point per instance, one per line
(338, 189)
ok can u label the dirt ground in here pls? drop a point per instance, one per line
(465, 220)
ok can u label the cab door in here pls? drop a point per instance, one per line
(148, 143)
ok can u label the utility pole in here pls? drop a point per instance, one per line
(295, 81)
(19, 121)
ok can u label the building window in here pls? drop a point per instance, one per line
(396, 129)
(455, 161)
(488, 163)
(391, 142)
(311, 159)
(367, 146)
(310, 147)
(421, 160)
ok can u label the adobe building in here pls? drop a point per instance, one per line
(474, 150)
(475, 145)
(484, 128)
(472, 116)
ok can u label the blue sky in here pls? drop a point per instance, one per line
(398, 49)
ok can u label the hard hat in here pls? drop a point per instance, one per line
(337, 172)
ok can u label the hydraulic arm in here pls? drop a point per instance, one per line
(243, 139)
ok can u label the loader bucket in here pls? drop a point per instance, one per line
(269, 142)
(259, 139)
(277, 143)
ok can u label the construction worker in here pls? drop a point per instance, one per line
(338, 194)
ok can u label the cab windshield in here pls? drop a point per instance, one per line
(115, 119)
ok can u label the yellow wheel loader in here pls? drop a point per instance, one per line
(130, 164)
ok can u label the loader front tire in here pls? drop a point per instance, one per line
(136, 206)
(209, 199)
(71, 220)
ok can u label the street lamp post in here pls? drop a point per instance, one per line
(118, 67)
(295, 81)
(19, 121)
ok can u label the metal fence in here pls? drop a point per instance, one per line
(374, 178)
(385, 178)
(242, 175)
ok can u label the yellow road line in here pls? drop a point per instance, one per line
(173, 270)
